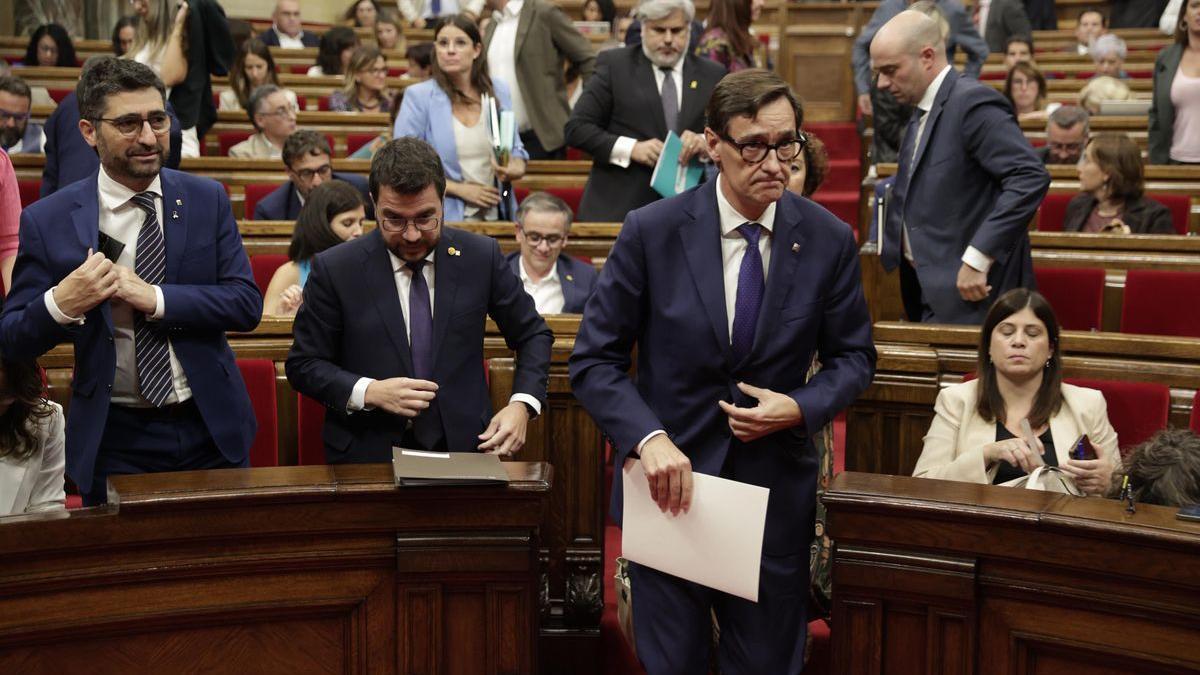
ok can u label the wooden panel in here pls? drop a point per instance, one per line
(811, 54)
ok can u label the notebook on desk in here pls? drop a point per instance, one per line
(415, 468)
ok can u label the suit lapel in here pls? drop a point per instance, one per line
(86, 219)
(691, 105)
(569, 288)
(786, 241)
(293, 206)
(700, 240)
(441, 120)
(446, 270)
(643, 73)
(175, 229)
(377, 265)
(935, 113)
(524, 20)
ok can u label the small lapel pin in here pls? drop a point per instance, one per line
(175, 215)
(453, 251)
(570, 278)
(692, 85)
(178, 202)
(795, 248)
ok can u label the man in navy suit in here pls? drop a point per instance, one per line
(306, 155)
(558, 283)
(728, 291)
(967, 186)
(142, 270)
(287, 30)
(390, 335)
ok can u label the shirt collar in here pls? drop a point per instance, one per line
(512, 9)
(279, 31)
(399, 264)
(931, 91)
(552, 276)
(113, 195)
(677, 68)
(731, 219)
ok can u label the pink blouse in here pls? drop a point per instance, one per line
(10, 208)
(1185, 98)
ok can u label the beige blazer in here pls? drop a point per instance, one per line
(36, 482)
(954, 444)
(256, 147)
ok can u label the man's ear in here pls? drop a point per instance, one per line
(712, 140)
(88, 130)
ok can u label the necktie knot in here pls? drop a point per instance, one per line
(144, 201)
(751, 232)
(415, 265)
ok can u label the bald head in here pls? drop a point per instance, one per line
(907, 54)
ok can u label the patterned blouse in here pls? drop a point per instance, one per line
(714, 45)
(339, 102)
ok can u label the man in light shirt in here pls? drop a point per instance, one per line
(558, 283)
(287, 30)
(274, 117)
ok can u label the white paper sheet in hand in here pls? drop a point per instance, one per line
(717, 543)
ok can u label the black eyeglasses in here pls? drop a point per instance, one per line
(422, 223)
(756, 151)
(324, 171)
(16, 117)
(551, 240)
(131, 125)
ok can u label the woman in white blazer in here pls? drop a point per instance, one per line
(32, 442)
(976, 431)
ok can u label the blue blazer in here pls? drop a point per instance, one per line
(975, 181)
(69, 158)
(208, 290)
(661, 289)
(578, 280)
(351, 326)
(426, 114)
(283, 203)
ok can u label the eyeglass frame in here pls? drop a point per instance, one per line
(407, 223)
(801, 140)
(289, 110)
(536, 238)
(16, 117)
(306, 175)
(115, 121)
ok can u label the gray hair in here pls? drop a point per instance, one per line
(657, 10)
(257, 96)
(1068, 116)
(544, 202)
(1108, 44)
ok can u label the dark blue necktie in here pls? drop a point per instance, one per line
(427, 426)
(749, 293)
(893, 228)
(149, 343)
(435, 8)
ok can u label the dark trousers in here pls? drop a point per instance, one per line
(672, 621)
(138, 440)
(533, 146)
(915, 307)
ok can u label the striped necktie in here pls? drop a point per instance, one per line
(149, 342)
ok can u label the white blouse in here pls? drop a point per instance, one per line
(36, 483)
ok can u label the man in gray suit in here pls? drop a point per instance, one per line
(967, 184)
(1004, 19)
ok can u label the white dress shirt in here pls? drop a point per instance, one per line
(287, 41)
(449, 8)
(404, 277)
(20, 146)
(972, 256)
(547, 293)
(502, 57)
(121, 219)
(733, 249)
(622, 150)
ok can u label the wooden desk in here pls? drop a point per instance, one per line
(296, 569)
(955, 578)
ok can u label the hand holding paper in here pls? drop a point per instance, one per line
(668, 474)
(671, 174)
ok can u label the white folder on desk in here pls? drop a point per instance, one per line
(717, 543)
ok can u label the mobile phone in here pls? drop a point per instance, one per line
(1083, 449)
(1189, 513)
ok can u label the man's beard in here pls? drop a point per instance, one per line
(122, 164)
(10, 136)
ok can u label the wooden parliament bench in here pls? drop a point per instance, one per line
(940, 577)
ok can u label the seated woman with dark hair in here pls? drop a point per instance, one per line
(976, 434)
(50, 46)
(334, 50)
(32, 442)
(366, 87)
(252, 67)
(333, 213)
(1165, 470)
(809, 167)
(123, 35)
(1112, 198)
(1025, 89)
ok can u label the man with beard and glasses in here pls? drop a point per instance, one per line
(17, 134)
(142, 270)
(621, 119)
(390, 335)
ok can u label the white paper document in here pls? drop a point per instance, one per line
(717, 543)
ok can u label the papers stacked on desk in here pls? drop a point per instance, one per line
(413, 468)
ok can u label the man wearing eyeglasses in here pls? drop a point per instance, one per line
(17, 134)
(728, 292)
(142, 270)
(307, 158)
(390, 335)
(1066, 135)
(557, 283)
(273, 115)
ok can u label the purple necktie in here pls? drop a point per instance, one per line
(427, 426)
(749, 293)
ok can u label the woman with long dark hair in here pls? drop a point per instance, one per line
(253, 67)
(728, 40)
(50, 46)
(32, 442)
(334, 50)
(366, 87)
(446, 111)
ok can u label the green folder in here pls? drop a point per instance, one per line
(669, 177)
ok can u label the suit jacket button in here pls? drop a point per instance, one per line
(110, 339)
(110, 387)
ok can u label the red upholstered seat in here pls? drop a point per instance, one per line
(228, 139)
(356, 141)
(1152, 303)
(1194, 422)
(254, 193)
(300, 69)
(1180, 207)
(997, 75)
(396, 71)
(1077, 295)
(571, 195)
(259, 375)
(301, 102)
(1137, 410)
(30, 191)
(310, 419)
(575, 154)
(1053, 211)
(263, 266)
(323, 103)
(59, 94)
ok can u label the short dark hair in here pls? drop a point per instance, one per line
(66, 49)
(1023, 39)
(421, 54)
(110, 75)
(313, 233)
(302, 143)
(260, 93)
(1120, 158)
(407, 165)
(1164, 470)
(329, 49)
(24, 380)
(1096, 10)
(544, 202)
(15, 86)
(745, 93)
(1049, 395)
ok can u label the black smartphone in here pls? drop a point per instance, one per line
(1189, 513)
(1082, 449)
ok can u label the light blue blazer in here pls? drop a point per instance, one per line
(426, 114)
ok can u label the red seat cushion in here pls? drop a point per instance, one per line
(571, 195)
(1151, 303)
(323, 103)
(1053, 211)
(301, 102)
(1137, 410)
(263, 266)
(1077, 295)
(356, 141)
(228, 139)
(254, 193)
(30, 191)
(259, 375)
(310, 419)
(1180, 207)
(59, 94)
(299, 69)
(575, 154)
